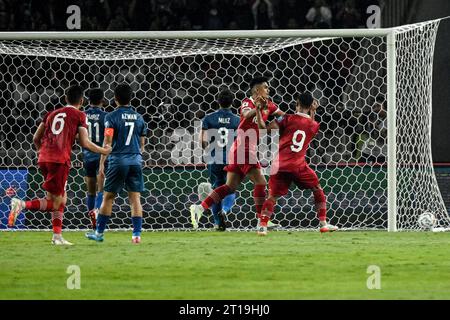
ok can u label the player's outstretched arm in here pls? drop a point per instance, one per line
(37, 137)
(86, 143)
(107, 143)
(312, 111)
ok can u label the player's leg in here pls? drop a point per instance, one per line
(234, 179)
(215, 183)
(91, 186)
(59, 204)
(278, 187)
(114, 180)
(100, 186)
(136, 215)
(307, 179)
(17, 205)
(135, 185)
(227, 202)
(259, 189)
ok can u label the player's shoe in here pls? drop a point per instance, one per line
(16, 208)
(328, 228)
(93, 216)
(136, 239)
(262, 230)
(271, 225)
(94, 236)
(58, 240)
(222, 224)
(196, 214)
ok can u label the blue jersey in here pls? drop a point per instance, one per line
(128, 127)
(95, 117)
(221, 126)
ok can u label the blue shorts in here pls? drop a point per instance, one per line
(91, 168)
(119, 175)
(217, 175)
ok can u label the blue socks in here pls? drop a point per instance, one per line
(215, 209)
(102, 221)
(137, 226)
(228, 202)
(90, 202)
(99, 200)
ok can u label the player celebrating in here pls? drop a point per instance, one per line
(296, 132)
(54, 139)
(217, 125)
(243, 160)
(125, 130)
(96, 119)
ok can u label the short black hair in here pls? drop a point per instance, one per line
(95, 96)
(305, 99)
(257, 80)
(225, 98)
(74, 94)
(123, 93)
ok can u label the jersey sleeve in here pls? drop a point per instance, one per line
(144, 128)
(205, 123)
(281, 122)
(273, 108)
(315, 126)
(82, 121)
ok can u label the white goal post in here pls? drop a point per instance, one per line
(375, 164)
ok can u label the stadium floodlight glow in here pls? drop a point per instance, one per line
(375, 166)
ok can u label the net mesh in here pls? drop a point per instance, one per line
(176, 82)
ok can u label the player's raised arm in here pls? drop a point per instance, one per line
(312, 111)
(86, 143)
(37, 137)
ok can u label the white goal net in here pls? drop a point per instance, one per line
(176, 82)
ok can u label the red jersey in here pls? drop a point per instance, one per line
(61, 128)
(248, 131)
(296, 132)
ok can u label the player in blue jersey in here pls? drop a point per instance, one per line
(218, 133)
(125, 131)
(95, 116)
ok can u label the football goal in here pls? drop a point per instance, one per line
(373, 153)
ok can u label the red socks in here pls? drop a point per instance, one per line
(321, 204)
(39, 205)
(267, 210)
(259, 195)
(57, 217)
(216, 196)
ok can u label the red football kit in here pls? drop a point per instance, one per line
(296, 132)
(61, 128)
(243, 153)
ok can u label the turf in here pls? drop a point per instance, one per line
(230, 265)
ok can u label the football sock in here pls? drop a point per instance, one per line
(57, 217)
(267, 210)
(39, 205)
(90, 201)
(215, 209)
(228, 202)
(99, 200)
(137, 226)
(102, 221)
(321, 204)
(259, 195)
(216, 196)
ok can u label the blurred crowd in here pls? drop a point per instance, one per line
(114, 15)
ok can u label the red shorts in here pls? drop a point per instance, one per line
(304, 178)
(241, 169)
(55, 177)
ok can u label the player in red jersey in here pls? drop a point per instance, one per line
(296, 132)
(243, 160)
(54, 139)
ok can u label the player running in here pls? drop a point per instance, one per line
(125, 130)
(296, 132)
(54, 139)
(96, 126)
(218, 130)
(243, 160)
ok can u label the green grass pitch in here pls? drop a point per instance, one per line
(230, 265)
